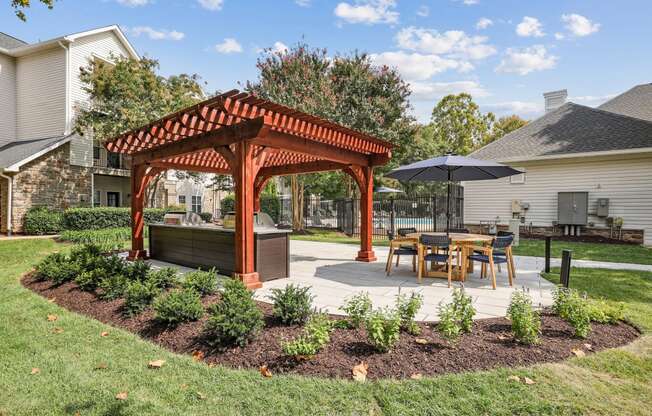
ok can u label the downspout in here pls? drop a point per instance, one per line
(10, 186)
(68, 110)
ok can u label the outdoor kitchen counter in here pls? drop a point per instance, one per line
(206, 246)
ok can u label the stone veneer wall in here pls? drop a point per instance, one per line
(52, 182)
(3, 204)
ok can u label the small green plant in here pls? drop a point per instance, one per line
(357, 308)
(139, 295)
(236, 318)
(449, 326)
(87, 256)
(178, 306)
(407, 308)
(162, 278)
(574, 309)
(463, 305)
(292, 304)
(57, 268)
(316, 335)
(526, 322)
(137, 270)
(112, 287)
(201, 281)
(383, 328)
(604, 312)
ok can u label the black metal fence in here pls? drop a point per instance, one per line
(425, 213)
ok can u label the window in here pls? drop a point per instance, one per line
(96, 152)
(182, 200)
(97, 199)
(196, 204)
(113, 199)
(520, 178)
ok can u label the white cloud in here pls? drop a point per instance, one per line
(468, 2)
(483, 23)
(592, 100)
(369, 12)
(455, 43)
(579, 25)
(416, 66)
(526, 60)
(515, 107)
(530, 26)
(155, 34)
(424, 11)
(559, 36)
(435, 90)
(211, 4)
(279, 47)
(229, 45)
(133, 3)
(303, 3)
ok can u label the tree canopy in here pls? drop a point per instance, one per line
(20, 6)
(504, 125)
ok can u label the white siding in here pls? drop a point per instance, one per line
(41, 94)
(625, 180)
(102, 45)
(7, 99)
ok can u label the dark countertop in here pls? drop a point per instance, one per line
(218, 229)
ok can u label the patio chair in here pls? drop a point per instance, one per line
(458, 230)
(402, 250)
(501, 234)
(500, 251)
(435, 243)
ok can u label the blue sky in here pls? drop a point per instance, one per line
(506, 53)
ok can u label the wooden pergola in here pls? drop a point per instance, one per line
(253, 140)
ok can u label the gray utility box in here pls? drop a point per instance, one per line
(572, 208)
(603, 207)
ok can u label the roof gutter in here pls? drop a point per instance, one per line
(10, 186)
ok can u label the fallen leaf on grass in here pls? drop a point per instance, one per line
(102, 366)
(201, 396)
(265, 371)
(104, 334)
(421, 341)
(51, 300)
(502, 337)
(156, 364)
(58, 330)
(52, 318)
(588, 347)
(578, 352)
(122, 395)
(528, 380)
(211, 365)
(184, 386)
(35, 370)
(514, 378)
(360, 371)
(197, 355)
(416, 376)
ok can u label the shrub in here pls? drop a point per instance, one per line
(526, 322)
(89, 280)
(574, 309)
(112, 286)
(42, 220)
(58, 268)
(108, 239)
(292, 304)
(463, 305)
(137, 270)
(139, 295)
(162, 278)
(201, 281)
(88, 257)
(178, 306)
(383, 329)
(407, 308)
(105, 217)
(236, 318)
(606, 313)
(357, 309)
(316, 335)
(449, 326)
(206, 216)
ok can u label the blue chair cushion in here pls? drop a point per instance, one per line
(405, 251)
(443, 258)
(496, 253)
(483, 258)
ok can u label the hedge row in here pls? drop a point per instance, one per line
(42, 220)
(268, 204)
(105, 217)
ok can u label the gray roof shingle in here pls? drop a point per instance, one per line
(19, 150)
(636, 102)
(10, 42)
(571, 128)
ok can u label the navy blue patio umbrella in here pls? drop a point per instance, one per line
(451, 168)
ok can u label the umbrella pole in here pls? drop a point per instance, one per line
(448, 202)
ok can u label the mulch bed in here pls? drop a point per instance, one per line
(488, 346)
(581, 239)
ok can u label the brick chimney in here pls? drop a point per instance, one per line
(555, 99)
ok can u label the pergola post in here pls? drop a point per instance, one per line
(140, 177)
(364, 177)
(244, 173)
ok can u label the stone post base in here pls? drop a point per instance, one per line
(366, 256)
(250, 280)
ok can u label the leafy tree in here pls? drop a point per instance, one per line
(348, 90)
(20, 5)
(129, 94)
(459, 125)
(505, 125)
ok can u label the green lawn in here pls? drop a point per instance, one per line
(621, 253)
(69, 382)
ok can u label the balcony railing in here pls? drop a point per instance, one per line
(104, 159)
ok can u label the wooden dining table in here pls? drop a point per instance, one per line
(461, 240)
